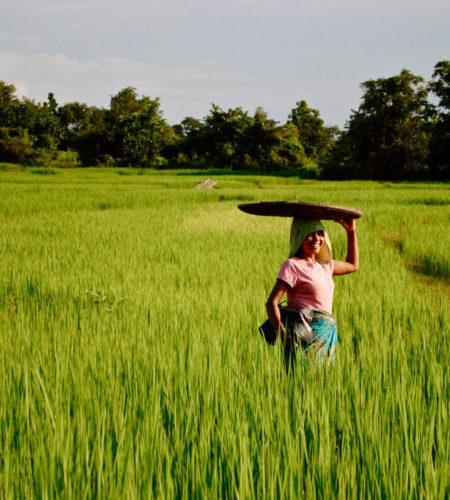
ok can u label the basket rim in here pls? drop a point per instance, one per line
(299, 209)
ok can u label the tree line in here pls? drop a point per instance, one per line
(401, 130)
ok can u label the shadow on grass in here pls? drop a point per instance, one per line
(242, 197)
(427, 272)
(44, 171)
(432, 202)
(221, 172)
(11, 167)
(416, 184)
(428, 268)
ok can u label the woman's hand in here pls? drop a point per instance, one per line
(347, 224)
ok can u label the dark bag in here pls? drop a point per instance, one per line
(297, 323)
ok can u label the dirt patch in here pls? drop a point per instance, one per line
(395, 238)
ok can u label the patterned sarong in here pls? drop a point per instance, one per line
(322, 345)
(324, 341)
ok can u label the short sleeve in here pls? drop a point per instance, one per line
(331, 266)
(288, 274)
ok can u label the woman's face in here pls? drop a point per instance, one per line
(312, 243)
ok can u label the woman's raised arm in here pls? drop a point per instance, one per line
(351, 263)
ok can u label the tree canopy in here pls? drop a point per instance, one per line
(439, 159)
(397, 132)
(386, 134)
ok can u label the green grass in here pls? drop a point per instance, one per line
(130, 363)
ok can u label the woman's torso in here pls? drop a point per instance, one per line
(310, 283)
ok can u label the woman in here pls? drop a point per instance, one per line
(306, 279)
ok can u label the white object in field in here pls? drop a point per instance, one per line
(208, 184)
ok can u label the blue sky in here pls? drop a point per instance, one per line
(192, 53)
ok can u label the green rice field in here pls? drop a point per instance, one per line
(131, 365)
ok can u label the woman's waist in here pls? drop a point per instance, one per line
(314, 311)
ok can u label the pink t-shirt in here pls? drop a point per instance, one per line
(311, 284)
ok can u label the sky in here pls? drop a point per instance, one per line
(192, 53)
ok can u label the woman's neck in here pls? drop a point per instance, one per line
(308, 258)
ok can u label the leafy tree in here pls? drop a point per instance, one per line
(235, 139)
(440, 85)
(8, 105)
(386, 137)
(315, 138)
(15, 145)
(86, 132)
(41, 120)
(187, 143)
(131, 132)
(134, 129)
(339, 163)
(188, 127)
(439, 158)
(288, 152)
(223, 136)
(260, 139)
(48, 126)
(74, 117)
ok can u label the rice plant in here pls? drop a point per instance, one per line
(131, 365)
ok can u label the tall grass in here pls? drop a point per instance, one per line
(130, 363)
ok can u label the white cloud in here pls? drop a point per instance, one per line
(184, 90)
(329, 82)
(21, 89)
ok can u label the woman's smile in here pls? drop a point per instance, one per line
(313, 243)
(316, 245)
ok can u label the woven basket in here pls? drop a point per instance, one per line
(302, 209)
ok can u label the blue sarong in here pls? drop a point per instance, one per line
(325, 339)
(322, 344)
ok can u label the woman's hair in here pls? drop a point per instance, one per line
(300, 228)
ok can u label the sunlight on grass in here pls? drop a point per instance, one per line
(131, 365)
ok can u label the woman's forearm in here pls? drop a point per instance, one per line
(272, 308)
(351, 263)
(274, 315)
(352, 248)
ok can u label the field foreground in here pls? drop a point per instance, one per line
(131, 365)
